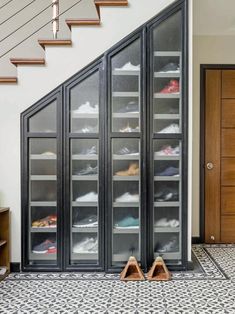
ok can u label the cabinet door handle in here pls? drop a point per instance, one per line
(209, 165)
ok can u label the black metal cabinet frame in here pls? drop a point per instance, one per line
(105, 134)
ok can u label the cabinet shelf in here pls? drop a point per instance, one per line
(85, 229)
(166, 178)
(167, 53)
(168, 255)
(43, 230)
(42, 204)
(43, 178)
(84, 204)
(166, 116)
(84, 256)
(166, 157)
(85, 115)
(166, 204)
(42, 157)
(127, 115)
(125, 94)
(166, 74)
(126, 230)
(126, 204)
(161, 95)
(2, 242)
(85, 178)
(124, 257)
(84, 157)
(126, 178)
(166, 229)
(42, 257)
(126, 157)
(126, 73)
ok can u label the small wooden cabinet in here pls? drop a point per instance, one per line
(4, 241)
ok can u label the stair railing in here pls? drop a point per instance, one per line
(55, 17)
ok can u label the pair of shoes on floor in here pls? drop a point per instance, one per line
(89, 151)
(128, 222)
(46, 247)
(87, 108)
(127, 151)
(87, 222)
(129, 67)
(89, 170)
(127, 197)
(133, 170)
(87, 245)
(173, 87)
(168, 151)
(132, 107)
(168, 172)
(128, 129)
(47, 222)
(167, 195)
(89, 197)
(164, 222)
(170, 246)
(173, 128)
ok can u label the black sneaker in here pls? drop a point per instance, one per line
(90, 221)
(88, 171)
(170, 68)
(127, 151)
(166, 196)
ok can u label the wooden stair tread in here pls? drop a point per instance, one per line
(54, 42)
(25, 61)
(111, 3)
(71, 22)
(8, 79)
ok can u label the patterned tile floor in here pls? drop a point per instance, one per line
(208, 289)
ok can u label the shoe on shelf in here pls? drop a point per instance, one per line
(170, 68)
(128, 222)
(173, 128)
(169, 172)
(89, 197)
(168, 151)
(127, 197)
(129, 67)
(133, 170)
(48, 154)
(127, 151)
(163, 222)
(87, 129)
(87, 245)
(89, 170)
(171, 246)
(132, 106)
(90, 221)
(87, 108)
(168, 195)
(48, 246)
(128, 129)
(47, 222)
(171, 88)
(89, 151)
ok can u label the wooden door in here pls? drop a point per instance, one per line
(219, 156)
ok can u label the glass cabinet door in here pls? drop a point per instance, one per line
(166, 142)
(125, 153)
(43, 187)
(83, 172)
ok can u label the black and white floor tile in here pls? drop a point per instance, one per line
(209, 289)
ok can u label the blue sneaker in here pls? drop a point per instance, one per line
(47, 246)
(128, 222)
(170, 171)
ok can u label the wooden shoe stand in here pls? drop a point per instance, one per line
(158, 271)
(4, 241)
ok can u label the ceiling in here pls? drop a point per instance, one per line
(214, 17)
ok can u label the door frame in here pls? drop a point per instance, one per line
(203, 69)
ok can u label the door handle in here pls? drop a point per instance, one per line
(209, 165)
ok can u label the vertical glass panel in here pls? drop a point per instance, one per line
(84, 105)
(42, 200)
(44, 120)
(167, 199)
(126, 89)
(126, 199)
(84, 215)
(167, 76)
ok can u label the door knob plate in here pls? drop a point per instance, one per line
(209, 166)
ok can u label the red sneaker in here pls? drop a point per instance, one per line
(171, 87)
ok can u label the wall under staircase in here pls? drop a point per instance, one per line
(34, 82)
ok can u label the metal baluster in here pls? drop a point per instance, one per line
(55, 17)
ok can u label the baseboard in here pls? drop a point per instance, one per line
(15, 267)
(196, 240)
(190, 265)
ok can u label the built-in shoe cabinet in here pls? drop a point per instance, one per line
(104, 158)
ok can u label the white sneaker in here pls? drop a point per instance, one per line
(173, 128)
(174, 223)
(88, 129)
(161, 223)
(48, 154)
(89, 197)
(129, 67)
(127, 197)
(88, 245)
(168, 151)
(87, 108)
(128, 129)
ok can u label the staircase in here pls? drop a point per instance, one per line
(25, 43)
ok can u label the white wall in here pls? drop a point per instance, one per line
(206, 50)
(37, 81)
